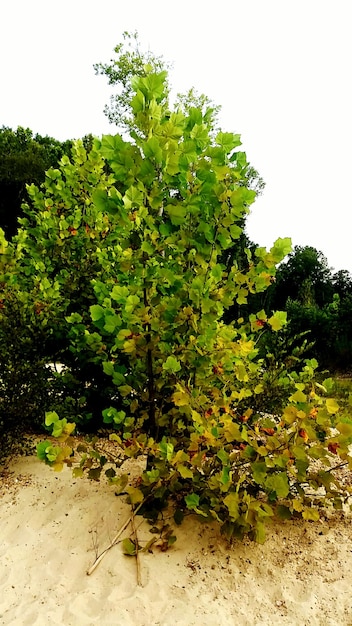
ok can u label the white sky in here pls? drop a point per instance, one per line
(281, 69)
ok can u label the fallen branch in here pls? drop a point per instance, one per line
(114, 541)
(138, 563)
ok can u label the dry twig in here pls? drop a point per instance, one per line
(138, 563)
(113, 542)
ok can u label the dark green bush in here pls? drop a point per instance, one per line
(26, 384)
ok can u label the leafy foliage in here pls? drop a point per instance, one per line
(188, 382)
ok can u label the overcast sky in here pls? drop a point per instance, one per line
(281, 69)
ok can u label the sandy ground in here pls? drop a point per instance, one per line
(52, 526)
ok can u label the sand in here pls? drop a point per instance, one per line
(52, 527)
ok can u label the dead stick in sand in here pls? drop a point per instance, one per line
(138, 563)
(114, 541)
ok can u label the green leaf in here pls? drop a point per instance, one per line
(180, 398)
(217, 272)
(153, 476)
(281, 248)
(111, 144)
(328, 385)
(118, 378)
(147, 247)
(228, 141)
(119, 294)
(123, 334)
(113, 416)
(166, 449)
(51, 417)
(42, 449)
(111, 323)
(192, 501)
(279, 484)
(176, 213)
(108, 368)
(96, 312)
(223, 456)
(138, 102)
(107, 203)
(235, 231)
(131, 303)
(260, 471)
(260, 532)
(74, 318)
(94, 473)
(133, 198)
(119, 483)
(152, 149)
(283, 512)
(128, 547)
(178, 516)
(172, 365)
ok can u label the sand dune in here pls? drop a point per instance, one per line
(52, 526)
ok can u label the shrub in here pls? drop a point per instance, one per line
(26, 387)
(46, 275)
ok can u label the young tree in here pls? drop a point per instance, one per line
(185, 378)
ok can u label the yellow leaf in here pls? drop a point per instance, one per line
(69, 428)
(123, 333)
(129, 346)
(332, 405)
(298, 396)
(180, 398)
(311, 514)
(115, 437)
(196, 417)
(278, 320)
(345, 429)
(124, 390)
(185, 471)
(290, 414)
(180, 457)
(57, 467)
(135, 495)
